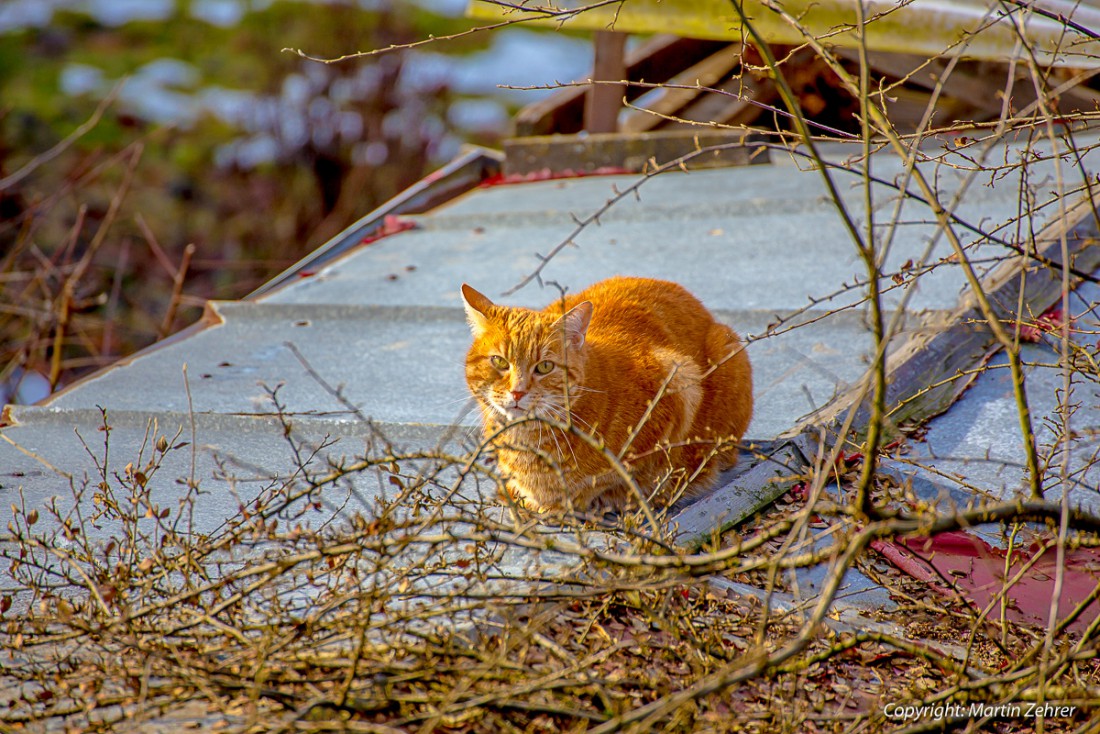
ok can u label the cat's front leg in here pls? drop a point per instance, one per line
(602, 493)
(539, 491)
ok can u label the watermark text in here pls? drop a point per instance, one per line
(1027, 710)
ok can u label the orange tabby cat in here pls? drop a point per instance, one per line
(596, 360)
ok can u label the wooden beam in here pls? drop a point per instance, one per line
(664, 102)
(654, 61)
(726, 109)
(743, 493)
(553, 154)
(603, 102)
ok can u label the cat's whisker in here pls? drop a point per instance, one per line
(582, 388)
(558, 414)
(541, 426)
(570, 417)
(568, 445)
(554, 438)
(452, 402)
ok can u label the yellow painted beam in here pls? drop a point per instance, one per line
(972, 28)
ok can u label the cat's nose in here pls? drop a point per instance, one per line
(517, 395)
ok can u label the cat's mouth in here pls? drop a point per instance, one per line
(513, 410)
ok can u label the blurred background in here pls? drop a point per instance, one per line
(158, 153)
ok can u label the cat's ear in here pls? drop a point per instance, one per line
(477, 310)
(576, 322)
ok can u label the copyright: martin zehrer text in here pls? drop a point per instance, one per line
(1031, 710)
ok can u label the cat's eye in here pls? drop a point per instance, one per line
(498, 362)
(544, 367)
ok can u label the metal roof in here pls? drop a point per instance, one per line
(1057, 32)
(379, 333)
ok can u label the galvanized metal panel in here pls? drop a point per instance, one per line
(751, 242)
(981, 29)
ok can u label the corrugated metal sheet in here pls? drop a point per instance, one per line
(379, 332)
(1059, 32)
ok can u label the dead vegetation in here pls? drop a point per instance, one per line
(395, 617)
(378, 592)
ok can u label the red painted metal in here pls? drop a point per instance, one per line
(391, 224)
(1048, 323)
(960, 563)
(547, 174)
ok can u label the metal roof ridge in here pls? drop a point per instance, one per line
(347, 425)
(210, 317)
(465, 172)
(258, 310)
